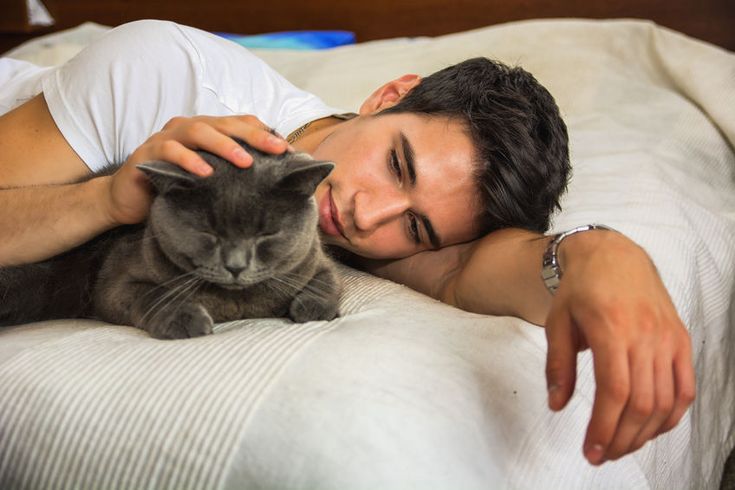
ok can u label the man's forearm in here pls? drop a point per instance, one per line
(499, 274)
(39, 222)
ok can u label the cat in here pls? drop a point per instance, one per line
(240, 243)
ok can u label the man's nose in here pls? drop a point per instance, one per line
(373, 209)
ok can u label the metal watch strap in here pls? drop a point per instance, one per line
(551, 270)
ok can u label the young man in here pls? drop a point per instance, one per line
(437, 184)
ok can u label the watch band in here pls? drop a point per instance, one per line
(551, 272)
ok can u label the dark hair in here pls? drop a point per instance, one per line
(522, 156)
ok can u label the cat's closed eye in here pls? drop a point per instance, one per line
(265, 248)
(208, 239)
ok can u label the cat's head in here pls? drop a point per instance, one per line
(238, 226)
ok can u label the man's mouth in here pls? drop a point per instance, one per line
(329, 221)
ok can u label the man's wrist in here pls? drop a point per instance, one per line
(582, 244)
(99, 194)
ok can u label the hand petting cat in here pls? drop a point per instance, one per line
(129, 197)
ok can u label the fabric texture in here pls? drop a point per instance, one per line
(402, 391)
(20, 81)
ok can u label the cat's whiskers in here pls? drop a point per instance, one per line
(145, 237)
(308, 289)
(171, 298)
(314, 280)
(275, 285)
(163, 298)
(315, 284)
(186, 294)
(170, 281)
(173, 292)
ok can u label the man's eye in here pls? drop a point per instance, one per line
(394, 165)
(413, 228)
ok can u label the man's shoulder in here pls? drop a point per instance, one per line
(164, 40)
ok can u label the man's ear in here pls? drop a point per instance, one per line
(389, 94)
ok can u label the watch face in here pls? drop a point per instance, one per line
(551, 278)
(552, 284)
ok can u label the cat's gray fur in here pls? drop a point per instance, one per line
(241, 243)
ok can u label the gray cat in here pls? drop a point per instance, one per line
(241, 243)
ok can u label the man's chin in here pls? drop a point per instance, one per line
(338, 248)
(335, 240)
(341, 244)
(328, 239)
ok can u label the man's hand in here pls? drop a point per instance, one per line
(612, 300)
(129, 193)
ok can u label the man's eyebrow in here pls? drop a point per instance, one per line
(408, 155)
(433, 237)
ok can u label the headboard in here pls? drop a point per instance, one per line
(710, 20)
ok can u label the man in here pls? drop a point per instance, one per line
(446, 193)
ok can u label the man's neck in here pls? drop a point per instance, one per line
(317, 132)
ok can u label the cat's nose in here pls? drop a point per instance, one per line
(235, 259)
(235, 271)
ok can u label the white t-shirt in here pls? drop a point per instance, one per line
(114, 94)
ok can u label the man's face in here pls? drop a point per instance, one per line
(402, 184)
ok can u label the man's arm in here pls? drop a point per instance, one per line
(610, 300)
(39, 215)
(496, 275)
(41, 221)
(32, 149)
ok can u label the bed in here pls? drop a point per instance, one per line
(402, 391)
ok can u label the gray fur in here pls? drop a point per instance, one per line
(241, 243)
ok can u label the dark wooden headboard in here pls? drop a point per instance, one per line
(710, 20)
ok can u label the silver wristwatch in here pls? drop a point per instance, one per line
(551, 270)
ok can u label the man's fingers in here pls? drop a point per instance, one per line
(202, 135)
(684, 389)
(216, 135)
(641, 403)
(664, 406)
(612, 377)
(561, 358)
(254, 132)
(176, 153)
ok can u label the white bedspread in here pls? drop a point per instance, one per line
(402, 391)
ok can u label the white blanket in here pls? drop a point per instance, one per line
(403, 391)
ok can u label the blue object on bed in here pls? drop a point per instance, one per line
(293, 39)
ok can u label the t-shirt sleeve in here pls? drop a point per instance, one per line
(114, 94)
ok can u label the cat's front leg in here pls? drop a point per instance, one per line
(164, 316)
(318, 300)
(163, 313)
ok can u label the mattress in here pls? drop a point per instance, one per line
(402, 391)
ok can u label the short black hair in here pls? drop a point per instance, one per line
(522, 147)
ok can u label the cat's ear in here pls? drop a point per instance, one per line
(302, 178)
(163, 175)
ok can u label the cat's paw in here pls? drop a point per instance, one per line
(307, 308)
(185, 322)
